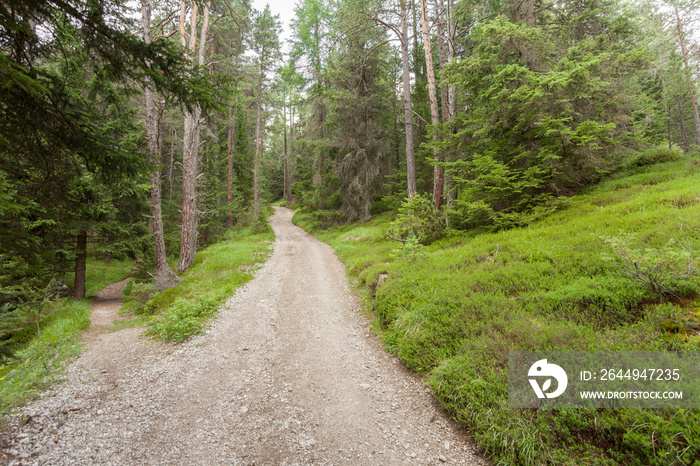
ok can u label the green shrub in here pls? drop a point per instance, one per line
(667, 271)
(136, 297)
(655, 155)
(455, 310)
(184, 318)
(418, 219)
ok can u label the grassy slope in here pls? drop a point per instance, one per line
(453, 311)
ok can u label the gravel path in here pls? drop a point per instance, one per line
(288, 374)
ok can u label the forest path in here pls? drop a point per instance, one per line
(288, 374)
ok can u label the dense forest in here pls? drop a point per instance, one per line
(148, 131)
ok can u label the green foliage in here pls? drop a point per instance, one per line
(411, 249)
(184, 318)
(654, 155)
(666, 271)
(418, 219)
(137, 294)
(547, 114)
(455, 311)
(184, 310)
(40, 361)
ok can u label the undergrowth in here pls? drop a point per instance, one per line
(40, 342)
(454, 311)
(184, 310)
(40, 361)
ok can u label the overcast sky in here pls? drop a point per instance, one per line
(284, 8)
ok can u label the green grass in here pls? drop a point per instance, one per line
(453, 311)
(217, 271)
(100, 274)
(42, 357)
(173, 315)
(41, 361)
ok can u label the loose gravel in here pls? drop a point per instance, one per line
(288, 374)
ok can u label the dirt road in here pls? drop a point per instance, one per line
(288, 374)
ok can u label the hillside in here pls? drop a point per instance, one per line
(452, 311)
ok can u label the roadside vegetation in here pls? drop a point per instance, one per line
(453, 309)
(35, 355)
(39, 342)
(185, 309)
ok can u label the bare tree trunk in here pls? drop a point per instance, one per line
(256, 162)
(434, 112)
(188, 237)
(171, 164)
(444, 97)
(417, 69)
(165, 277)
(286, 155)
(291, 156)
(408, 113)
(691, 86)
(529, 7)
(684, 131)
(450, 191)
(668, 111)
(231, 141)
(80, 265)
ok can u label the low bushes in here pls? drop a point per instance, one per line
(454, 311)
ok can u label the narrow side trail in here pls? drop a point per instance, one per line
(288, 374)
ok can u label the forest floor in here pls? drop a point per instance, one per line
(289, 373)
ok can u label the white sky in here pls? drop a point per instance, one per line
(284, 8)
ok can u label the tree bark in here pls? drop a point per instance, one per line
(171, 164)
(165, 277)
(231, 141)
(681, 121)
(450, 191)
(529, 7)
(286, 155)
(691, 86)
(291, 156)
(80, 265)
(190, 215)
(434, 112)
(408, 113)
(256, 160)
(444, 97)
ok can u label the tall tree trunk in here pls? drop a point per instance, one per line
(408, 113)
(171, 164)
(256, 160)
(80, 265)
(286, 155)
(668, 111)
(434, 112)
(444, 97)
(681, 121)
(417, 68)
(190, 220)
(165, 277)
(691, 85)
(450, 191)
(231, 141)
(529, 7)
(291, 155)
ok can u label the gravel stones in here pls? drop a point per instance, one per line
(288, 374)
